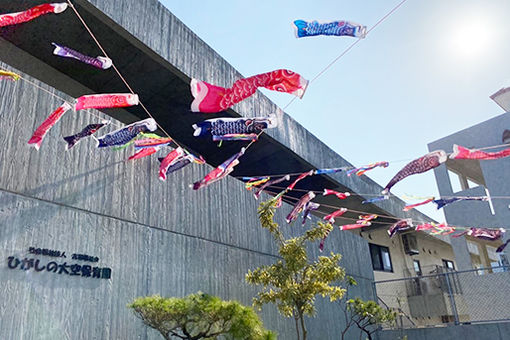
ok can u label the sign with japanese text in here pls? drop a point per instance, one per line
(71, 269)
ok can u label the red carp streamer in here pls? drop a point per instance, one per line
(30, 14)
(42, 130)
(102, 101)
(211, 98)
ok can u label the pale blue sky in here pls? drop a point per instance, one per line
(424, 73)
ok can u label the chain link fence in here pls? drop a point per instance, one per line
(448, 297)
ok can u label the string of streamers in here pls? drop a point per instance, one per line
(290, 198)
(401, 225)
(114, 67)
(228, 165)
(360, 194)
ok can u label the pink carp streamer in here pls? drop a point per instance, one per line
(364, 221)
(32, 13)
(152, 142)
(211, 98)
(42, 130)
(340, 195)
(460, 152)
(102, 101)
(300, 177)
(425, 163)
(412, 206)
(143, 153)
(172, 157)
(331, 217)
(222, 171)
(436, 229)
(292, 216)
(360, 171)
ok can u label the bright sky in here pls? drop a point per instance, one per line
(426, 72)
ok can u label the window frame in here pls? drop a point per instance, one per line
(417, 262)
(446, 262)
(379, 251)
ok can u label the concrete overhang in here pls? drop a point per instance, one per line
(161, 79)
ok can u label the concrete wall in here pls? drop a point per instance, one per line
(157, 237)
(492, 331)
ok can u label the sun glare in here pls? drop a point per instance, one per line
(471, 37)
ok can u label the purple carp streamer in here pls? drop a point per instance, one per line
(292, 216)
(127, 133)
(234, 128)
(308, 208)
(88, 130)
(429, 161)
(445, 201)
(400, 226)
(486, 234)
(98, 62)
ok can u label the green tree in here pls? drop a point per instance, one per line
(293, 282)
(200, 316)
(366, 315)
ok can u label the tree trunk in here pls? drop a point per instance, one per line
(297, 327)
(303, 328)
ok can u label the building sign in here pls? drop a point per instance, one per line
(71, 269)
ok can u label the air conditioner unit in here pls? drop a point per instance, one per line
(410, 244)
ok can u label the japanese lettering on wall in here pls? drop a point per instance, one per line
(71, 269)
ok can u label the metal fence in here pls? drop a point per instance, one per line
(448, 297)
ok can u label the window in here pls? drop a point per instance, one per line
(455, 181)
(448, 264)
(417, 267)
(381, 259)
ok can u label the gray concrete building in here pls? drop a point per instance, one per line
(476, 178)
(124, 232)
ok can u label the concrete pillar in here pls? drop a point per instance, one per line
(462, 256)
